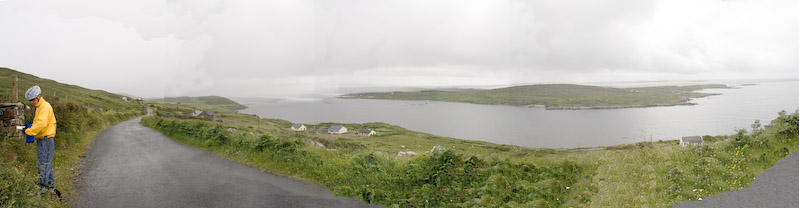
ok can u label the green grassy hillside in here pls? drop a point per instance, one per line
(81, 113)
(92, 98)
(557, 96)
(208, 103)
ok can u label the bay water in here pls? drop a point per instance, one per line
(737, 107)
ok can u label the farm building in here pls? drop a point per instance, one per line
(298, 127)
(337, 130)
(366, 132)
(771, 125)
(691, 140)
(198, 113)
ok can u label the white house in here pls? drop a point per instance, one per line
(366, 132)
(771, 125)
(691, 140)
(207, 114)
(298, 127)
(337, 130)
(125, 99)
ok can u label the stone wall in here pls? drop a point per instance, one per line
(11, 116)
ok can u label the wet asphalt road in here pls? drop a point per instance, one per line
(778, 186)
(130, 165)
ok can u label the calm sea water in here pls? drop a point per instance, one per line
(533, 127)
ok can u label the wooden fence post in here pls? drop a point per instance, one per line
(14, 93)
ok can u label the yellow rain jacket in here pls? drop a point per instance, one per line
(43, 122)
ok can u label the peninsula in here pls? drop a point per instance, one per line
(557, 96)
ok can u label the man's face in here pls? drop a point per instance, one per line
(34, 101)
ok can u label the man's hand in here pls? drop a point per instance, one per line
(26, 127)
(28, 138)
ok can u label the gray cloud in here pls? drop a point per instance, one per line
(289, 47)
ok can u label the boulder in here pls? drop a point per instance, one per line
(406, 154)
(437, 148)
(316, 144)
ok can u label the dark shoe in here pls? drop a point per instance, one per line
(42, 186)
(57, 193)
(46, 187)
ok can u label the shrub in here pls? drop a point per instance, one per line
(273, 143)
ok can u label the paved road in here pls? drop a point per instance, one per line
(778, 186)
(130, 165)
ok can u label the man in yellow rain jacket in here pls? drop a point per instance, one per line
(43, 129)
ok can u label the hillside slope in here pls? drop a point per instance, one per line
(81, 113)
(209, 103)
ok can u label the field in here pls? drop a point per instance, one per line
(557, 96)
(481, 174)
(81, 113)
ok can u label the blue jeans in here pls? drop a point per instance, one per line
(44, 151)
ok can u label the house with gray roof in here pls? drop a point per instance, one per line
(366, 132)
(771, 125)
(337, 130)
(298, 127)
(691, 140)
(200, 113)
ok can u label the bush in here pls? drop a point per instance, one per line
(273, 143)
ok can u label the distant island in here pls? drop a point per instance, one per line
(557, 96)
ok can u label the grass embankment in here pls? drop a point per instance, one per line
(482, 174)
(557, 96)
(81, 114)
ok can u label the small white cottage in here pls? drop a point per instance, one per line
(366, 132)
(337, 130)
(200, 113)
(691, 140)
(298, 127)
(771, 125)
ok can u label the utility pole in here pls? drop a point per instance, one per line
(14, 93)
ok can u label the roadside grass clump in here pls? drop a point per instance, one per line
(444, 178)
(268, 142)
(658, 175)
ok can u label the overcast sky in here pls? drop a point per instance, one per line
(292, 48)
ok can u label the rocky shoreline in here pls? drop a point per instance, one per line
(681, 103)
